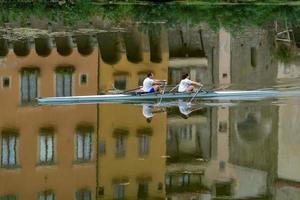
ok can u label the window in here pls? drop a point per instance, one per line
(46, 144)
(183, 179)
(120, 82)
(186, 132)
(253, 56)
(84, 144)
(102, 147)
(223, 189)
(8, 197)
(174, 76)
(119, 191)
(5, 82)
(46, 195)
(143, 190)
(141, 79)
(9, 144)
(83, 79)
(83, 194)
(120, 149)
(223, 127)
(168, 180)
(64, 81)
(143, 144)
(29, 87)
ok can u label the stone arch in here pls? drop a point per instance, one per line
(84, 44)
(175, 43)
(21, 47)
(64, 45)
(3, 47)
(43, 45)
(253, 129)
(133, 45)
(155, 43)
(110, 46)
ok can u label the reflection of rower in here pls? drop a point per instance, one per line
(186, 109)
(186, 85)
(148, 111)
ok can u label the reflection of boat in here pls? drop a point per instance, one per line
(136, 97)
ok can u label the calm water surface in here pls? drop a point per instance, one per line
(218, 149)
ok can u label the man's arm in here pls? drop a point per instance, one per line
(158, 82)
(197, 84)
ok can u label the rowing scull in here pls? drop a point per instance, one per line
(123, 98)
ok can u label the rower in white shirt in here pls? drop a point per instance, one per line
(151, 85)
(149, 111)
(186, 85)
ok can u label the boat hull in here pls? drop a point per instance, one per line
(123, 98)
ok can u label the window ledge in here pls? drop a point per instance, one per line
(10, 167)
(83, 162)
(45, 164)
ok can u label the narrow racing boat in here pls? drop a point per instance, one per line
(142, 97)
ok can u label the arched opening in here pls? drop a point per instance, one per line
(43, 46)
(176, 43)
(64, 45)
(155, 43)
(21, 47)
(110, 46)
(3, 47)
(133, 45)
(84, 44)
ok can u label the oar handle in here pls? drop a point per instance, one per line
(133, 89)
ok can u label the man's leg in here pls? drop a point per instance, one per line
(156, 88)
(190, 88)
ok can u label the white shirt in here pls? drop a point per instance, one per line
(184, 84)
(184, 108)
(147, 111)
(147, 84)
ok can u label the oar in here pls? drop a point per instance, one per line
(195, 95)
(174, 88)
(163, 92)
(132, 89)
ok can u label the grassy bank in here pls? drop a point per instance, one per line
(231, 16)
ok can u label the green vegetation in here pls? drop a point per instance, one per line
(232, 17)
(285, 53)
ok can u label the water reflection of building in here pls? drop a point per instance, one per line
(43, 145)
(128, 57)
(288, 181)
(188, 145)
(253, 63)
(189, 52)
(132, 162)
(55, 147)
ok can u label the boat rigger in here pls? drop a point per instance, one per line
(141, 97)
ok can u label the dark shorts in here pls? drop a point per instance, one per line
(151, 90)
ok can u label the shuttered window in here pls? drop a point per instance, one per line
(29, 87)
(84, 144)
(8, 197)
(120, 82)
(120, 148)
(46, 144)
(143, 144)
(64, 81)
(83, 194)
(143, 190)
(9, 143)
(119, 191)
(46, 195)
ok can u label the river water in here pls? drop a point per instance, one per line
(242, 148)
